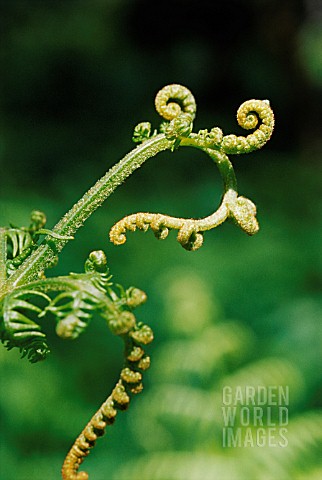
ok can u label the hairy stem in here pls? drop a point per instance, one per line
(220, 158)
(43, 257)
(129, 383)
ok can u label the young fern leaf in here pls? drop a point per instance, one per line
(19, 328)
(26, 295)
(19, 240)
(19, 243)
(130, 383)
(177, 105)
(79, 296)
(73, 311)
(121, 322)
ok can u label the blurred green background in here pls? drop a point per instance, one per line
(76, 77)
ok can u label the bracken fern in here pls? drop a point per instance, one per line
(27, 295)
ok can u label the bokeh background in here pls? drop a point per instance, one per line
(76, 77)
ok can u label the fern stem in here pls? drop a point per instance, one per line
(129, 383)
(103, 188)
(43, 257)
(222, 161)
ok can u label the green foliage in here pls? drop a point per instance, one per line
(181, 432)
(19, 329)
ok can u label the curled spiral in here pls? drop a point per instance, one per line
(96, 262)
(135, 297)
(96, 266)
(174, 99)
(129, 383)
(177, 106)
(247, 116)
(190, 231)
(188, 236)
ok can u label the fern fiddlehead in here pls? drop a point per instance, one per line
(173, 134)
(176, 105)
(79, 296)
(27, 296)
(136, 362)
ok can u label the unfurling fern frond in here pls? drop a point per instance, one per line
(129, 383)
(18, 240)
(18, 246)
(26, 294)
(73, 311)
(18, 243)
(78, 297)
(19, 328)
(177, 107)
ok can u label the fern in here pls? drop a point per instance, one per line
(28, 296)
(19, 328)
